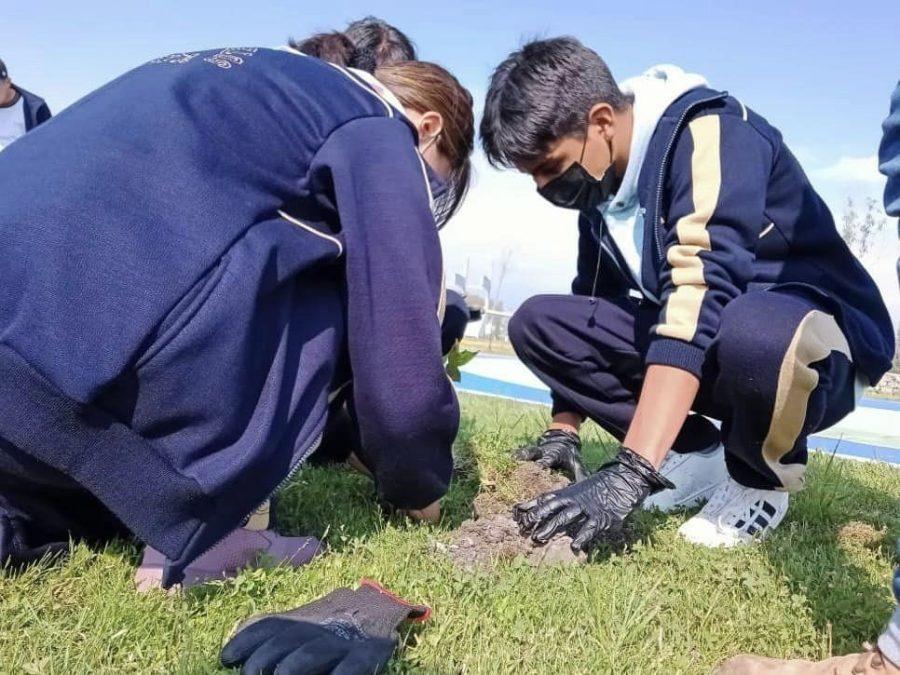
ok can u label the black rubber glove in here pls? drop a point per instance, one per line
(556, 449)
(595, 509)
(344, 633)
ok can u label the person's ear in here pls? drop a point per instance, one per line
(430, 125)
(602, 120)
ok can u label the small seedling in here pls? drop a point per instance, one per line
(456, 359)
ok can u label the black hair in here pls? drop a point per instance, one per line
(4, 75)
(385, 42)
(541, 93)
(366, 44)
(333, 47)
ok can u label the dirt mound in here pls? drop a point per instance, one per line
(493, 536)
(479, 544)
(527, 482)
(856, 533)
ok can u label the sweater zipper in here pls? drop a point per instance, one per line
(663, 165)
(295, 467)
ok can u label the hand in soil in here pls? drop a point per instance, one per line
(493, 535)
(595, 509)
(556, 449)
(528, 480)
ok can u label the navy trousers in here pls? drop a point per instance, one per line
(41, 509)
(779, 369)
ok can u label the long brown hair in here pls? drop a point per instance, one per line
(424, 86)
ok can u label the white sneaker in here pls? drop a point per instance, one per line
(696, 476)
(736, 515)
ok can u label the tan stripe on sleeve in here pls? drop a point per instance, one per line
(682, 310)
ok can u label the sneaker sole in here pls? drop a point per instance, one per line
(702, 532)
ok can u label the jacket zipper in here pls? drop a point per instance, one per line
(662, 167)
(627, 275)
(626, 271)
(599, 237)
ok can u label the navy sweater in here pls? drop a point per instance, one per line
(189, 252)
(728, 209)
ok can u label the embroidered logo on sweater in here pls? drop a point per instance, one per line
(233, 56)
(177, 59)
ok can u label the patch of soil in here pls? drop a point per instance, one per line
(479, 544)
(493, 536)
(856, 533)
(527, 482)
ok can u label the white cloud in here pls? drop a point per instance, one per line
(504, 212)
(852, 170)
(858, 178)
(881, 263)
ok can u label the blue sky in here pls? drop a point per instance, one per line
(821, 71)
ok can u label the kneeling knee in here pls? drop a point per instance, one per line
(525, 325)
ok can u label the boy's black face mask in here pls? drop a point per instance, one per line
(575, 188)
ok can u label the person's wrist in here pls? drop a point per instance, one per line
(562, 426)
(641, 466)
(566, 421)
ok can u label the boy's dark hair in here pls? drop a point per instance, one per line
(387, 43)
(541, 93)
(4, 75)
(332, 47)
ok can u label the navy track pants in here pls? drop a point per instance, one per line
(779, 369)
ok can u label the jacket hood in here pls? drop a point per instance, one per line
(654, 91)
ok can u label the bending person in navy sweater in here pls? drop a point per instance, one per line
(368, 44)
(711, 281)
(218, 242)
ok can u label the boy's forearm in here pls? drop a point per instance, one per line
(665, 401)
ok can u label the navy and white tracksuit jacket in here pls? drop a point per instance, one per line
(196, 256)
(754, 292)
(36, 109)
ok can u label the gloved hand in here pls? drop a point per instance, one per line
(344, 633)
(594, 509)
(556, 449)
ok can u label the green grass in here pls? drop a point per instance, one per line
(662, 606)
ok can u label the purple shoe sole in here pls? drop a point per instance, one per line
(240, 550)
